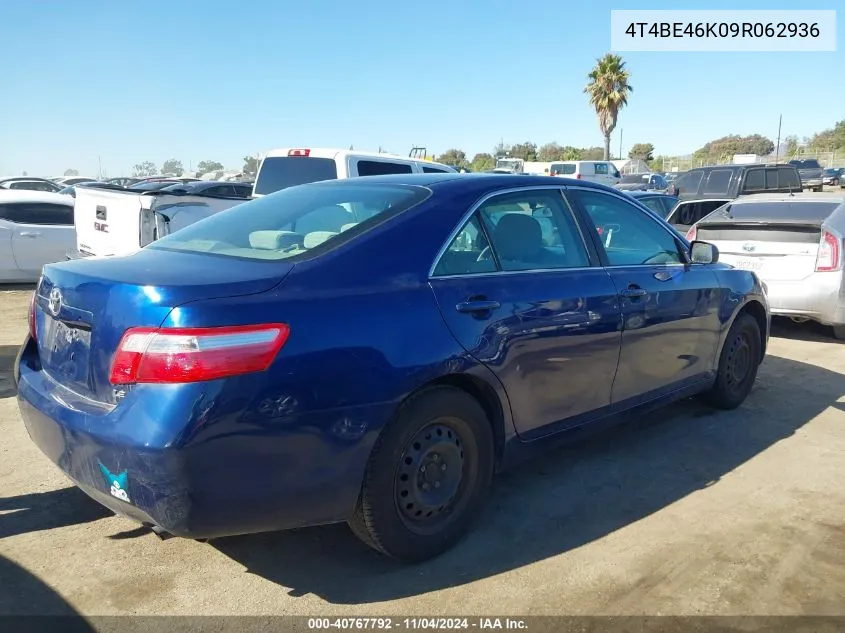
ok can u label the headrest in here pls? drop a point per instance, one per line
(273, 240)
(316, 238)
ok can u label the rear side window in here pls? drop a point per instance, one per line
(689, 183)
(718, 181)
(433, 170)
(755, 180)
(655, 205)
(30, 185)
(690, 213)
(562, 169)
(294, 221)
(382, 168)
(37, 213)
(789, 179)
(280, 172)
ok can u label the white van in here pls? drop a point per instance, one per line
(601, 171)
(287, 167)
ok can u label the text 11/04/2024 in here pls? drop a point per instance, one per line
(725, 31)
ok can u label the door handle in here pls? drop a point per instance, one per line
(477, 306)
(29, 233)
(634, 292)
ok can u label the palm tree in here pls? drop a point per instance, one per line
(608, 90)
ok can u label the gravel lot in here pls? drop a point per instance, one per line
(685, 512)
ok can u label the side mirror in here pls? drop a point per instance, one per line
(703, 253)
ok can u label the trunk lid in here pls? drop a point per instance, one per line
(775, 251)
(83, 307)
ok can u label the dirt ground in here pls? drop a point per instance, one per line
(687, 512)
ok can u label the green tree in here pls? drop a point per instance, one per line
(609, 90)
(142, 170)
(644, 151)
(526, 151)
(724, 148)
(482, 162)
(173, 166)
(792, 146)
(71, 172)
(454, 157)
(594, 153)
(251, 165)
(206, 166)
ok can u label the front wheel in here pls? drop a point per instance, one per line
(427, 477)
(738, 364)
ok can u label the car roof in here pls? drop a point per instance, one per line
(788, 197)
(468, 181)
(736, 167)
(24, 179)
(28, 195)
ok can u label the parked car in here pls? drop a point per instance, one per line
(123, 181)
(36, 228)
(661, 203)
(213, 188)
(74, 180)
(642, 182)
(810, 171)
(794, 244)
(254, 408)
(287, 167)
(30, 184)
(833, 176)
(704, 189)
(601, 171)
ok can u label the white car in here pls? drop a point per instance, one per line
(288, 167)
(600, 171)
(36, 228)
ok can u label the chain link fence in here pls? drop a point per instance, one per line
(827, 159)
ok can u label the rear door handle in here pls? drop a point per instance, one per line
(477, 306)
(30, 233)
(633, 292)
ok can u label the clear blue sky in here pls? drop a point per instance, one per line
(212, 80)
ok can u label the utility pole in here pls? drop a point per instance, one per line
(777, 147)
(620, 143)
(99, 168)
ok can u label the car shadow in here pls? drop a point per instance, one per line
(808, 331)
(37, 606)
(38, 511)
(566, 499)
(8, 353)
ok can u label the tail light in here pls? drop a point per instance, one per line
(33, 330)
(299, 152)
(577, 176)
(181, 355)
(692, 233)
(827, 259)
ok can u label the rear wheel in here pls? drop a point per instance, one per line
(427, 477)
(738, 364)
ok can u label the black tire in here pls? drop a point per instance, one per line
(839, 332)
(818, 189)
(399, 512)
(738, 365)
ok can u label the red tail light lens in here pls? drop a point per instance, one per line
(33, 330)
(577, 176)
(181, 355)
(691, 234)
(828, 257)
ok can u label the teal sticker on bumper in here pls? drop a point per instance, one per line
(118, 484)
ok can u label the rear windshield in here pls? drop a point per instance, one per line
(562, 168)
(294, 221)
(634, 178)
(281, 172)
(807, 163)
(812, 212)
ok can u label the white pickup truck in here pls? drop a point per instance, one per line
(121, 221)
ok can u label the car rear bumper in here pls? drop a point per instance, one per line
(811, 182)
(241, 479)
(77, 254)
(820, 297)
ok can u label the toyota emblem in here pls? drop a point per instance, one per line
(54, 301)
(748, 248)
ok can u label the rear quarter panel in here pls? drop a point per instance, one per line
(739, 288)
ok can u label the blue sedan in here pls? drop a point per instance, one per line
(372, 351)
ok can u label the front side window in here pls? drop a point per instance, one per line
(601, 169)
(532, 229)
(294, 221)
(434, 170)
(38, 213)
(629, 236)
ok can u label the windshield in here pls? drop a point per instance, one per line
(294, 221)
(154, 186)
(280, 172)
